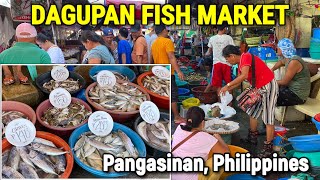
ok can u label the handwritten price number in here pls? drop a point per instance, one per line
(60, 99)
(21, 133)
(100, 124)
(148, 113)
(60, 73)
(106, 80)
(161, 73)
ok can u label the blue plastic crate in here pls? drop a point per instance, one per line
(265, 53)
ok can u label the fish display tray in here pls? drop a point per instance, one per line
(211, 121)
(164, 116)
(135, 138)
(46, 77)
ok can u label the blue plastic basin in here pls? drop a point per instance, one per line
(135, 138)
(316, 123)
(119, 69)
(183, 92)
(307, 143)
(244, 177)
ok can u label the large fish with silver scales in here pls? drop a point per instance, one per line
(40, 159)
(90, 148)
(69, 84)
(122, 97)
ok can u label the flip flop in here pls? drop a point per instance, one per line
(8, 81)
(24, 80)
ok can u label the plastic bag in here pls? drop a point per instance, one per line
(225, 100)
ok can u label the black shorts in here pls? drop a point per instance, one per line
(174, 90)
(288, 98)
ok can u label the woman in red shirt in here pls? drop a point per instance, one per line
(268, 87)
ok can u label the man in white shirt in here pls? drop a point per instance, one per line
(221, 68)
(150, 39)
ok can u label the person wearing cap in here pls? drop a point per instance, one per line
(163, 53)
(221, 68)
(139, 53)
(124, 48)
(108, 38)
(45, 41)
(150, 38)
(25, 51)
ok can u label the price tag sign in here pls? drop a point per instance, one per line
(60, 98)
(100, 123)
(20, 132)
(149, 112)
(161, 72)
(59, 73)
(106, 78)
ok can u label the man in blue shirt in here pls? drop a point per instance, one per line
(124, 48)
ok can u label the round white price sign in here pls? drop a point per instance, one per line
(161, 72)
(149, 112)
(100, 123)
(59, 73)
(20, 132)
(60, 98)
(106, 78)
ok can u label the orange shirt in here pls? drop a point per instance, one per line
(140, 48)
(160, 48)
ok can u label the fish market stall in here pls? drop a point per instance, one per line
(66, 143)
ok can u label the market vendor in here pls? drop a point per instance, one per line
(268, 87)
(163, 53)
(221, 68)
(108, 38)
(197, 143)
(295, 85)
(45, 41)
(97, 52)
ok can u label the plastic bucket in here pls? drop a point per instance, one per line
(160, 101)
(20, 107)
(119, 69)
(135, 138)
(46, 77)
(117, 116)
(62, 132)
(183, 92)
(206, 98)
(60, 143)
(152, 150)
(316, 33)
(182, 84)
(312, 156)
(307, 143)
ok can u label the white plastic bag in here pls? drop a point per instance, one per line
(225, 100)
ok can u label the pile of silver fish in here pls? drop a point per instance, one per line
(157, 85)
(119, 76)
(121, 97)
(40, 159)
(195, 77)
(90, 148)
(73, 115)
(157, 134)
(219, 126)
(68, 84)
(8, 116)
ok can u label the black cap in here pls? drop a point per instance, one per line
(123, 32)
(135, 28)
(159, 28)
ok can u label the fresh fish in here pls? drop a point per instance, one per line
(8, 116)
(79, 143)
(43, 141)
(37, 159)
(23, 151)
(98, 144)
(128, 144)
(157, 85)
(28, 171)
(14, 158)
(68, 84)
(142, 130)
(61, 163)
(5, 156)
(48, 150)
(95, 163)
(11, 173)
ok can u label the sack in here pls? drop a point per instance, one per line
(249, 98)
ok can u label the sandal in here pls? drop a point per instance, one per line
(267, 150)
(23, 80)
(252, 138)
(8, 81)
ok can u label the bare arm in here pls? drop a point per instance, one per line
(293, 68)
(279, 64)
(175, 65)
(123, 58)
(209, 52)
(94, 61)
